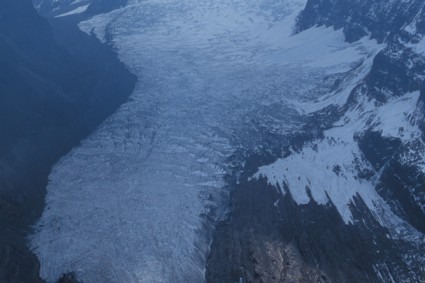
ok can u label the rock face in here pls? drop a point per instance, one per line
(50, 98)
(253, 245)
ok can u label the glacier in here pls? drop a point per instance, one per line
(135, 202)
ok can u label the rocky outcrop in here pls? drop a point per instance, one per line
(251, 246)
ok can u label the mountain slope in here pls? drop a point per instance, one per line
(49, 100)
(369, 162)
(392, 140)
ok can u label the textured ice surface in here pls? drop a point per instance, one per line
(130, 203)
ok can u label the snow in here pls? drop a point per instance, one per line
(330, 50)
(411, 27)
(129, 204)
(76, 2)
(336, 55)
(395, 118)
(329, 167)
(77, 10)
(315, 168)
(418, 47)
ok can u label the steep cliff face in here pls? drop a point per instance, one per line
(50, 98)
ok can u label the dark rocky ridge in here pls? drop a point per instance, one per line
(250, 245)
(55, 88)
(269, 238)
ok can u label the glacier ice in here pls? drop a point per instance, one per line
(132, 202)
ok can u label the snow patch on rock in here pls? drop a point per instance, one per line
(331, 168)
(76, 11)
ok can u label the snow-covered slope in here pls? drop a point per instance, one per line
(334, 169)
(136, 201)
(397, 72)
(372, 148)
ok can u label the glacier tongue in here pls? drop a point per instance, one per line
(130, 204)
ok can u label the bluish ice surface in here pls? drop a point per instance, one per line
(131, 203)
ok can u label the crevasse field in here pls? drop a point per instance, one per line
(132, 202)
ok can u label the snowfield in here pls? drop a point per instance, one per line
(329, 168)
(133, 203)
